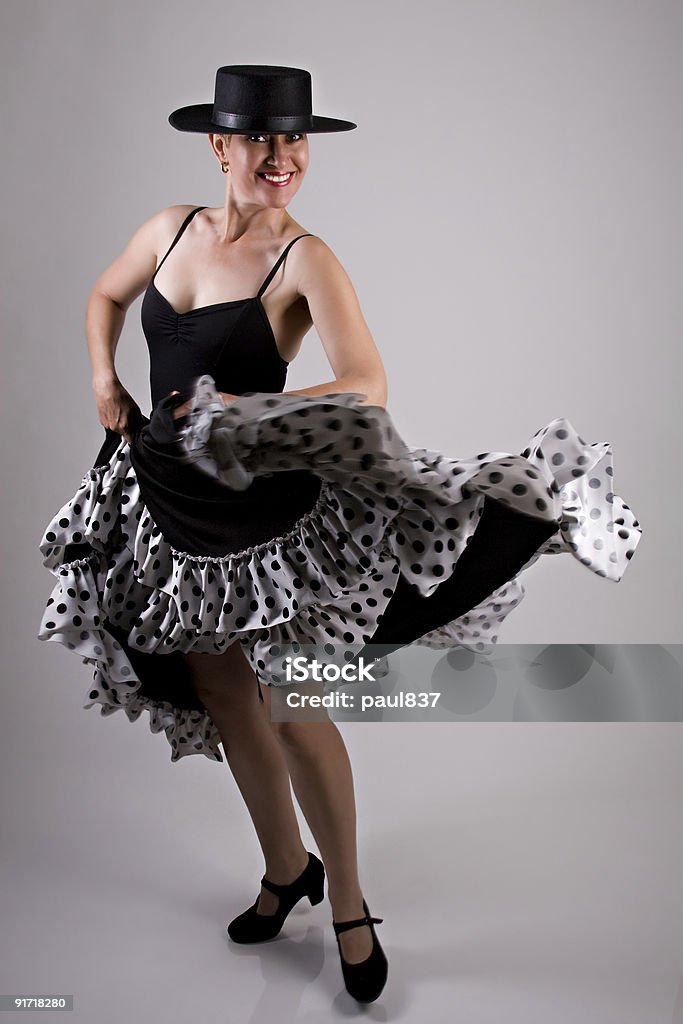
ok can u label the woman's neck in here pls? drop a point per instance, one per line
(235, 219)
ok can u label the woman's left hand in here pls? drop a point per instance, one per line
(180, 410)
(183, 410)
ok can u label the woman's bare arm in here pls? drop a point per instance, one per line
(119, 285)
(110, 296)
(339, 321)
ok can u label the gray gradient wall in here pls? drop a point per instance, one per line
(508, 210)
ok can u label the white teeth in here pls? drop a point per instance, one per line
(278, 177)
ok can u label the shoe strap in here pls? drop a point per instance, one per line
(280, 889)
(273, 887)
(342, 926)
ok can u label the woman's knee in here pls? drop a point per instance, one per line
(293, 732)
(301, 736)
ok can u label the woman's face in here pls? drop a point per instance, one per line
(264, 169)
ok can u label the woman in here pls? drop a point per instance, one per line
(240, 512)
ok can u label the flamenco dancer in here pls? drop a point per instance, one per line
(238, 516)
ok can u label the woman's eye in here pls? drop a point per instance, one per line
(293, 136)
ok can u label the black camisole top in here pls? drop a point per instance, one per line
(233, 341)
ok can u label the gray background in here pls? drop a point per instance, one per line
(509, 211)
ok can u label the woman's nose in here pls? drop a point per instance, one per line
(277, 149)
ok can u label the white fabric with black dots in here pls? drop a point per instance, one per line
(384, 510)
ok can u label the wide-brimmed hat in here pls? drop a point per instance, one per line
(257, 98)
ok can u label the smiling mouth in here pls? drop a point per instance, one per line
(277, 180)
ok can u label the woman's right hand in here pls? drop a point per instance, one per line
(118, 410)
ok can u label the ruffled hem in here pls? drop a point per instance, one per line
(384, 511)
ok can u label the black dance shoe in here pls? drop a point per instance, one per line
(253, 927)
(364, 980)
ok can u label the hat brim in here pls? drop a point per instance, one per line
(197, 118)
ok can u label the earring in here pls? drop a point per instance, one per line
(225, 168)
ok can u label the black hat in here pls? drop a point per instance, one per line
(257, 98)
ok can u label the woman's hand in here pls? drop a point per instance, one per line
(183, 410)
(117, 409)
(180, 410)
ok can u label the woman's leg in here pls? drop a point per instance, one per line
(262, 756)
(226, 685)
(321, 775)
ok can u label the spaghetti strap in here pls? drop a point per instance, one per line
(279, 260)
(180, 231)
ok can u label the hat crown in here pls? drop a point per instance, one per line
(262, 90)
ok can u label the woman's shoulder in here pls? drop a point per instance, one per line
(309, 247)
(171, 217)
(171, 221)
(162, 226)
(315, 266)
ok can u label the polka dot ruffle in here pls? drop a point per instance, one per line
(431, 502)
(383, 510)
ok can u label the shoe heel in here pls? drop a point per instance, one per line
(316, 893)
(317, 896)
